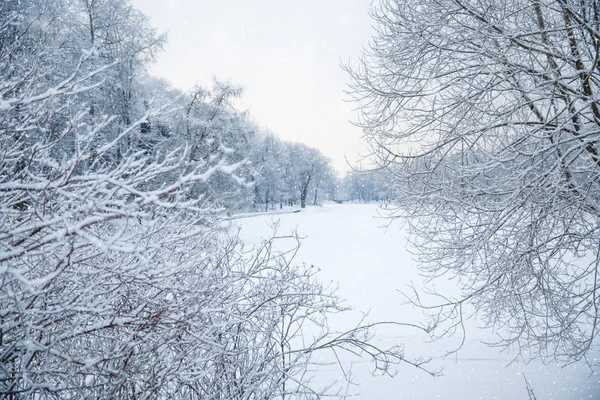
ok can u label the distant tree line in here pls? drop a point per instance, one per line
(290, 174)
(365, 186)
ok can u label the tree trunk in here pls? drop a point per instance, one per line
(303, 197)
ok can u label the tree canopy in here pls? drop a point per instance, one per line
(486, 116)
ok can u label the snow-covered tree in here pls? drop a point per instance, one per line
(121, 35)
(211, 124)
(94, 258)
(487, 115)
(291, 173)
(309, 164)
(269, 160)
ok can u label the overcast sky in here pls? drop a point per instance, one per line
(285, 53)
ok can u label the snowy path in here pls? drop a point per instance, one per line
(370, 263)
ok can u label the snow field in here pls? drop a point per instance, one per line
(369, 263)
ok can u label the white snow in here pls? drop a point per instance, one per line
(370, 263)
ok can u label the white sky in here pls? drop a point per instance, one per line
(285, 53)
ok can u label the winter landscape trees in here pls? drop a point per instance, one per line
(118, 276)
(291, 174)
(122, 274)
(366, 186)
(486, 115)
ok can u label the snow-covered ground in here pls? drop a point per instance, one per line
(349, 245)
